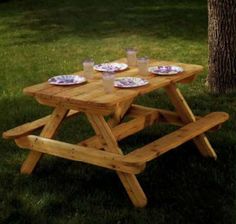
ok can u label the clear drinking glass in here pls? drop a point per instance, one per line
(108, 81)
(131, 57)
(88, 68)
(142, 64)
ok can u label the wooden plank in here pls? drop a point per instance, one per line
(124, 129)
(96, 100)
(129, 181)
(87, 96)
(29, 127)
(66, 92)
(165, 116)
(48, 131)
(190, 72)
(187, 116)
(55, 89)
(90, 96)
(176, 138)
(103, 104)
(117, 96)
(79, 153)
(81, 89)
(154, 83)
(96, 108)
(31, 90)
(47, 89)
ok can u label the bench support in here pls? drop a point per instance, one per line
(187, 116)
(48, 132)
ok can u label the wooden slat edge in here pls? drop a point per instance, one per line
(177, 138)
(31, 126)
(79, 153)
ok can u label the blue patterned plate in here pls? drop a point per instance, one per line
(165, 70)
(110, 67)
(65, 80)
(129, 82)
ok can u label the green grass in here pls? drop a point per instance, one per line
(39, 39)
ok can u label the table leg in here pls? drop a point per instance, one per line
(48, 131)
(129, 181)
(187, 116)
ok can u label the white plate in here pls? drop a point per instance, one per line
(165, 70)
(110, 67)
(65, 80)
(129, 82)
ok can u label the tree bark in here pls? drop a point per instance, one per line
(222, 45)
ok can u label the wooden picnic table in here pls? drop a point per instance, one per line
(103, 149)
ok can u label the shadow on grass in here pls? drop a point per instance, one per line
(50, 21)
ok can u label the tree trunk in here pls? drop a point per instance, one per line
(222, 45)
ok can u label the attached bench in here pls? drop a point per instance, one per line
(29, 127)
(134, 162)
(176, 138)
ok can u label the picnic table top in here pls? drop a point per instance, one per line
(91, 95)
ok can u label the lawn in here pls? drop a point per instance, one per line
(39, 39)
